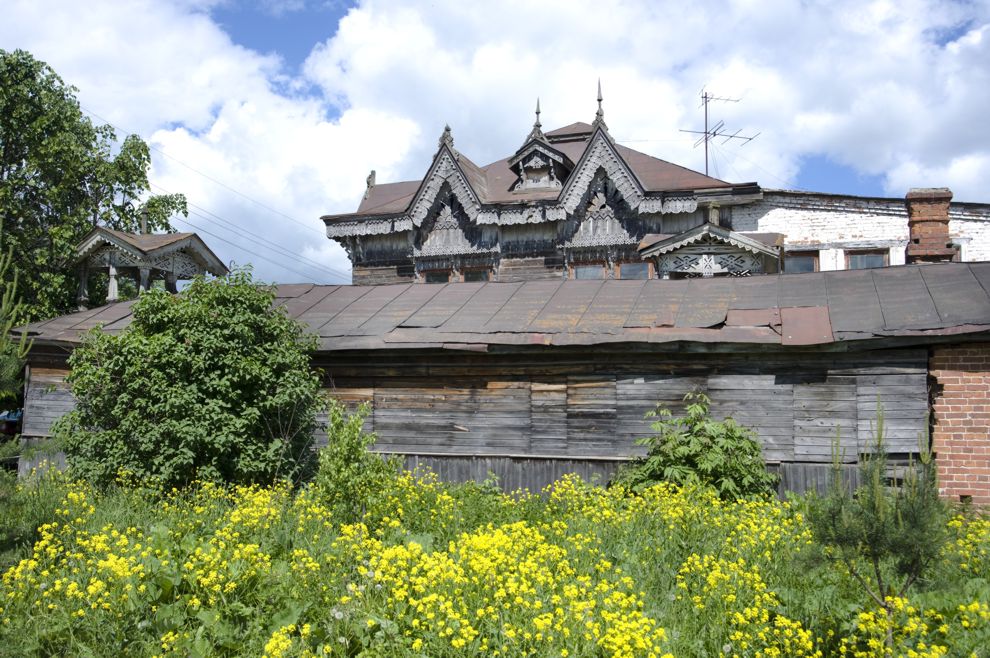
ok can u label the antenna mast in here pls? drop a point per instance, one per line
(719, 129)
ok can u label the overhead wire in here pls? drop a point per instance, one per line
(212, 217)
(282, 251)
(200, 229)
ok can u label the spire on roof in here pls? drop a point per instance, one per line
(600, 114)
(537, 131)
(446, 138)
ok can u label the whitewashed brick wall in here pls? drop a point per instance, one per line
(834, 224)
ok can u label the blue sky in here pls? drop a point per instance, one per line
(268, 114)
(292, 32)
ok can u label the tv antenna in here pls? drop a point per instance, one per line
(718, 131)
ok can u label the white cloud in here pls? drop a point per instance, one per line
(898, 89)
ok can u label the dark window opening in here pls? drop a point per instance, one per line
(864, 260)
(589, 271)
(634, 270)
(476, 275)
(437, 276)
(801, 261)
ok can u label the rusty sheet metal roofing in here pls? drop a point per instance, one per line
(820, 308)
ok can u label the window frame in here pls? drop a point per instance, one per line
(884, 253)
(617, 273)
(815, 254)
(572, 269)
(425, 274)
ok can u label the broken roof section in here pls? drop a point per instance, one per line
(831, 310)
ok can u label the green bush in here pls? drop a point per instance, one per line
(698, 450)
(350, 477)
(214, 384)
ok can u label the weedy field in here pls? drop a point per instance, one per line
(431, 569)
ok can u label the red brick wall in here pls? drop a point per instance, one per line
(961, 439)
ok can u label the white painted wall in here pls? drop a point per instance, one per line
(834, 224)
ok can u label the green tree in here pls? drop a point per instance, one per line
(60, 176)
(213, 384)
(12, 349)
(885, 535)
(699, 450)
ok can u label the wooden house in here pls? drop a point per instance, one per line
(533, 379)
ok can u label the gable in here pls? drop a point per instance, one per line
(445, 169)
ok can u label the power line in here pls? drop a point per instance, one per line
(282, 251)
(200, 229)
(208, 177)
(768, 173)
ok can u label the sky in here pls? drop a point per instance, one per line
(268, 114)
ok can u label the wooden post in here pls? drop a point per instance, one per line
(82, 297)
(112, 292)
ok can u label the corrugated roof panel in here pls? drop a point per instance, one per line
(289, 290)
(904, 299)
(611, 306)
(982, 273)
(363, 308)
(755, 292)
(802, 290)
(657, 304)
(328, 308)
(297, 306)
(564, 310)
(399, 309)
(444, 305)
(524, 306)
(706, 302)
(958, 296)
(107, 316)
(853, 302)
(480, 308)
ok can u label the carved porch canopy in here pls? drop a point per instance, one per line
(710, 250)
(169, 257)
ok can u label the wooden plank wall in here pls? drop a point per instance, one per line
(494, 410)
(46, 399)
(526, 416)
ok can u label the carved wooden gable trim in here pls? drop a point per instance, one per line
(600, 154)
(448, 231)
(444, 170)
(601, 217)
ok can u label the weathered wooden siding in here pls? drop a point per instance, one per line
(529, 417)
(575, 408)
(528, 269)
(47, 398)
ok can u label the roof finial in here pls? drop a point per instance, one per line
(370, 182)
(600, 114)
(446, 138)
(537, 131)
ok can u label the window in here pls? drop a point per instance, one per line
(436, 276)
(634, 270)
(477, 275)
(801, 261)
(589, 271)
(863, 260)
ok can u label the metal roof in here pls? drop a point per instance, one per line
(819, 308)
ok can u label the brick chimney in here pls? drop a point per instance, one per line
(928, 222)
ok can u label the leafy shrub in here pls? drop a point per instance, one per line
(697, 450)
(350, 477)
(214, 384)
